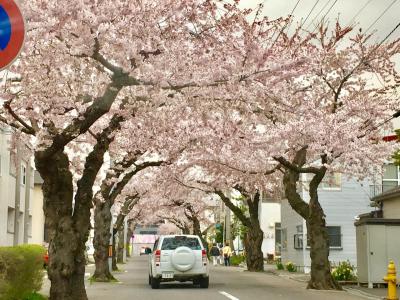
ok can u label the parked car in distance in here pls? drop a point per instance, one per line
(178, 258)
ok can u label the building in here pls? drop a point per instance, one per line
(342, 200)
(377, 241)
(270, 222)
(20, 216)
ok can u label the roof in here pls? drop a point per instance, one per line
(390, 194)
(38, 178)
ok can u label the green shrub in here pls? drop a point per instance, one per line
(21, 271)
(279, 265)
(291, 267)
(35, 296)
(344, 272)
(237, 259)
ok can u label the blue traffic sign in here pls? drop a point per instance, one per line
(12, 32)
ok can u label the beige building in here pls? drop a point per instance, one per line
(389, 203)
(21, 214)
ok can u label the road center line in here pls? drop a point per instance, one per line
(228, 295)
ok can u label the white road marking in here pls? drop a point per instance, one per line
(228, 295)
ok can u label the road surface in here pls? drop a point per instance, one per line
(225, 283)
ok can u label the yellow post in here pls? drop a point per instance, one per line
(391, 281)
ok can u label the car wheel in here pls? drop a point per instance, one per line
(204, 282)
(155, 283)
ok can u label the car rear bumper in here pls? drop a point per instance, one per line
(182, 277)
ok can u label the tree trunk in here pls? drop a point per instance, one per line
(321, 277)
(66, 268)
(313, 213)
(121, 245)
(101, 241)
(254, 238)
(128, 239)
(114, 266)
(254, 254)
(197, 230)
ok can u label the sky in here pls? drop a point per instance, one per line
(345, 9)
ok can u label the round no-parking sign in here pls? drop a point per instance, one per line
(12, 32)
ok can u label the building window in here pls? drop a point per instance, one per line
(298, 238)
(278, 241)
(23, 175)
(284, 239)
(335, 236)
(391, 177)
(10, 220)
(332, 181)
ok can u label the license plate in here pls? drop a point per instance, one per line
(168, 275)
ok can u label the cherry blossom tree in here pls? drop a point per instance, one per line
(327, 119)
(75, 68)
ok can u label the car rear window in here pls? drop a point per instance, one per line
(171, 243)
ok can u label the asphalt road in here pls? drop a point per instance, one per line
(225, 283)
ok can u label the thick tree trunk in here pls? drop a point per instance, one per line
(121, 245)
(254, 254)
(254, 238)
(101, 241)
(312, 212)
(321, 277)
(66, 268)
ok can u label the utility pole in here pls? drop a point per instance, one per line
(17, 203)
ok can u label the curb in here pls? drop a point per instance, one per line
(362, 294)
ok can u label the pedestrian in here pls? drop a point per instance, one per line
(227, 252)
(214, 251)
(221, 256)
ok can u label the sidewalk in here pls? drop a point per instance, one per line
(375, 293)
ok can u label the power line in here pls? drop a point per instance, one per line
(312, 21)
(327, 12)
(312, 9)
(358, 13)
(284, 27)
(381, 15)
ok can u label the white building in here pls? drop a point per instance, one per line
(21, 214)
(270, 222)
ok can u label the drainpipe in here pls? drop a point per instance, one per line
(27, 203)
(17, 203)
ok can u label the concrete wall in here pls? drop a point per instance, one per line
(270, 214)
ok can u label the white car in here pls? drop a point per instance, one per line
(178, 258)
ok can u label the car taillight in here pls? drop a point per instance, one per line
(157, 257)
(204, 256)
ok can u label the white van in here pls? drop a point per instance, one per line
(178, 258)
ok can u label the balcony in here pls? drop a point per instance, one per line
(378, 189)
